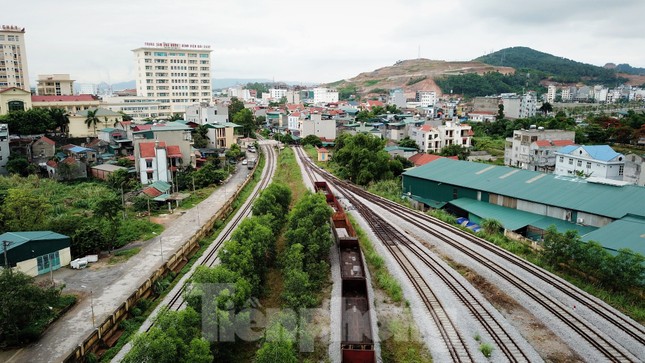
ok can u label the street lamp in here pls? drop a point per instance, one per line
(160, 245)
(91, 305)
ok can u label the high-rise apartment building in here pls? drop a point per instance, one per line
(175, 75)
(13, 58)
(54, 85)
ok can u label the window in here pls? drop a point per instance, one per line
(570, 161)
(588, 165)
(149, 176)
(621, 169)
(561, 159)
(48, 262)
(16, 106)
(579, 163)
(148, 163)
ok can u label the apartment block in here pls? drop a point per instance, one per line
(176, 75)
(517, 151)
(54, 85)
(13, 58)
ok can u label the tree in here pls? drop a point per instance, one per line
(109, 208)
(175, 117)
(455, 150)
(200, 136)
(25, 308)
(491, 226)
(67, 171)
(244, 118)
(25, 209)
(18, 164)
(312, 140)
(235, 106)
(278, 348)
(60, 117)
(362, 158)
(407, 142)
(546, 108)
(500, 113)
(92, 120)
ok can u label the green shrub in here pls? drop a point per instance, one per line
(486, 349)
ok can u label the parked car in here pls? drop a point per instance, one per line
(244, 162)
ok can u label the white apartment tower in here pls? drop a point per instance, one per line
(175, 75)
(551, 93)
(13, 58)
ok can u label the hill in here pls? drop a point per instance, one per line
(547, 66)
(410, 76)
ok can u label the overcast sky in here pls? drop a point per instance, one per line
(318, 41)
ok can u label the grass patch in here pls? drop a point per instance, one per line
(402, 343)
(371, 82)
(124, 255)
(376, 265)
(288, 173)
(486, 349)
(494, 146)
(416, 80)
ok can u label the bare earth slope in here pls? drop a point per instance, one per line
(414, 75)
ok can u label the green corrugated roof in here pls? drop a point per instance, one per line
(569, 193)
(18, 238)
(162, 198)
(396, 147)
(631, 230)
(161, 186)
(513, 219)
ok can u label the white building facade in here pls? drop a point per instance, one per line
(517, 151)
(426, 98)
(599, 161)
(176, 75)
(13, 58)
(203, 113)
(325, 95)
(139, 108)
(4, 148)
(55, 85)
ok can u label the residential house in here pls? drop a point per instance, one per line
(402, 151)
(103, 171)
(323, 154)
(67, 169)
(41, 150)
(634, 169)
(203, 113)
(518, 148)
(316, 125)
(434, 136)
(221, 135)
(542, 154)
(174, 134)
(599, 161)
(426, 98)
(157, 162)
(481, 116)
(294, 122)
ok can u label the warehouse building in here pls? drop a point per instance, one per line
(35, 253)
(528, 202)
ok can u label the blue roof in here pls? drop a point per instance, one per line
(79, 149)
(598, 152)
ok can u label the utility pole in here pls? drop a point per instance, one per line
(5, 246)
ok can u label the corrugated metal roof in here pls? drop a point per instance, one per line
(597, 152)
(513, 219)
(18, 238)
(631, 230)
(570, 193)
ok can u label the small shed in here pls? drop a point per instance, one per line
(104, 171)
(35, 253)
(323, 154)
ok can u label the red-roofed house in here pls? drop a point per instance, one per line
(323, 154)
(371, 104)
(41, 150)
(157, 161)
(422, 158)
(66, 169)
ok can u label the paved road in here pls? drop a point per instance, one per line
(106, 288)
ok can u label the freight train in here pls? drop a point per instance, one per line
(357, 344)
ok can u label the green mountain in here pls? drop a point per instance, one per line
(547, 66)
(626, 68)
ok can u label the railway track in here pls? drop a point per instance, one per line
(396, 242)
(177, 301)
(606, 346)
